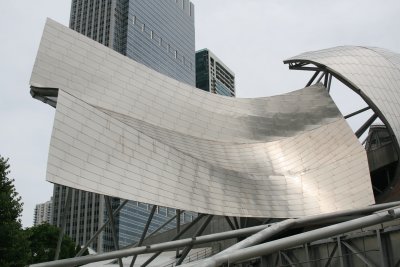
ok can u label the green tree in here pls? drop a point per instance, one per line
(43, 242)
(14, 248)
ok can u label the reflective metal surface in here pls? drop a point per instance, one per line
(374, 74)
(124, 130)
(374, 71)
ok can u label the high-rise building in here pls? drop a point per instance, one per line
(87, 213)
(43, 212)
(212, 75)
(158, 34)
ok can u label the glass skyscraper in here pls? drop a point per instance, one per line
(212, 75)
(160, 35)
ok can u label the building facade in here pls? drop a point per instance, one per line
(212, 75)
(87, 213)
(43, 212)
(158, 34)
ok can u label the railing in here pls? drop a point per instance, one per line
(198, 255)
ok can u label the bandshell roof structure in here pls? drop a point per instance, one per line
(373, 72)
(124, 130)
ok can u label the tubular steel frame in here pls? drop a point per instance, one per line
(365, 218)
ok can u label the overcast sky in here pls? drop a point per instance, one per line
(251, 37)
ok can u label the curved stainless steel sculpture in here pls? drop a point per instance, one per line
(124, 130)
(371, 71)
(374, 74)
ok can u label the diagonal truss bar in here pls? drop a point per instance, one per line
(356, 112)
(100, 230)
(358, 254)
(235, 220)
(327, 264)
(199, 231)
(146, 228)
(230, 222)
(67, 206)
(175, 238)
(320, 77)
(366, 125)
(313, 78)
(287, 259)
(112, 224)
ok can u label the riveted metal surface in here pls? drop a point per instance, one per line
(124, 130)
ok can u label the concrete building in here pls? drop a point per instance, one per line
(43, 212)
(212, 75)
(160, 35)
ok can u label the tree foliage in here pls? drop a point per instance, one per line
(14, 248)
(43, 242)
(20, 247)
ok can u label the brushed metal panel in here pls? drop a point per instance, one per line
(124, 130)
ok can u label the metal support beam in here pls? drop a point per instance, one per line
(112, 224)
(230, 222)
(199, 231)
(296, 240)
(67, 207)
(235, 220)
(146, 228)
(328, 263)
(304, 68)
(321, 76)
(340, 251)
(359, 254)
(313, 78)
(328, 87)
(261, 236)
(100, 230)
(326, 78)
(177, 236)
(356, 112)
(381, 248)
(178, 228)
(287, 258)
(322, 218)
(366, 125)
(307, 255)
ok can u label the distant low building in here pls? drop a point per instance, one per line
(43, 212)
(212, 75)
